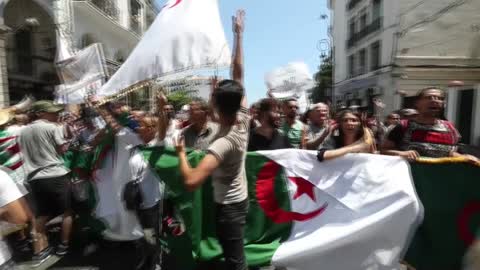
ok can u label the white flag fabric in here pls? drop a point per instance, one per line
(186, 35)
(64, 51)
(81, 74)
(371, 212)
(291, 81)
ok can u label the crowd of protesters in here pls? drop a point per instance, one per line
(33, 140)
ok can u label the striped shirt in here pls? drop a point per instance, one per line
(11, 156)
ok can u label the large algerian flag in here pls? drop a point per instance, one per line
(186, 35)
(356, 212)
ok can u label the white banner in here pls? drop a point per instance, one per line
(291, 80)
(186, 35)
(81, 75)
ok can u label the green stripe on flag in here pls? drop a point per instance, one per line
(448, 192)
(262, 236)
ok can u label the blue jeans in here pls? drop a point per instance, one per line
(230, 225)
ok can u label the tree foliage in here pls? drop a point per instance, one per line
(179, 98)
(323, 78)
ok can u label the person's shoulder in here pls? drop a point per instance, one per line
(186, 129)
(41, 125)
(128, 135)
(243, 110)
(243, 113)
(212, 124)
(300, 124)
(311, 128)
(448, 124)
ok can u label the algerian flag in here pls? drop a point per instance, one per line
(370, 208)
(186, 35)
(356, 212)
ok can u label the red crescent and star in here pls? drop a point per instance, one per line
(265, 192)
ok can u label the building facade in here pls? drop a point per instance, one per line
(29, 31)
(395, 48)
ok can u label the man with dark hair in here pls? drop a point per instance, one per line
(225, 159)
(293, 128)
(427, 135)
(393, 119)
(201, 132)
(267, 136)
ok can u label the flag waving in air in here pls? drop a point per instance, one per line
(186, 35)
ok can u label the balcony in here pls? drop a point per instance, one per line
(108, 7)
(367, 30)
(93, 14)
(135, 24)
(352, 3)
(112, 67)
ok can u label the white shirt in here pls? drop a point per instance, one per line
(8, 193)
(150, 185)
(172, 132)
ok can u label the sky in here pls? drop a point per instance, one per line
(277, 32)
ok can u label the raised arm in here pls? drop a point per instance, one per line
(162, 118)
(211, 101)
(237, 61)
(105, 114)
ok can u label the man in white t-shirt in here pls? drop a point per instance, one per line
(11, 212)
(132, 224)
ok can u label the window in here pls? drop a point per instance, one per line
(351, 65)
(362, 67)
(351, 28)
(363, 19)
(136, 17)
(375, 56)
(464, 118)
(23, 44)
(377, 9)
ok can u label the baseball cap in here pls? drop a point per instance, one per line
(46, 106)
(5, 116)
(408, 112)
